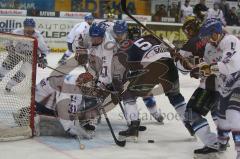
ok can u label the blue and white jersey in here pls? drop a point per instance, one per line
(42, 45)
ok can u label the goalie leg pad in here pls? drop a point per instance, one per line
(49, 126)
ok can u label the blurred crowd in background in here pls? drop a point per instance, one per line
(229, 15)
(228, 11)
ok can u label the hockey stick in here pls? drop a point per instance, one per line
(118, 142)
(165, 42)
(56, 70)
(171, 47)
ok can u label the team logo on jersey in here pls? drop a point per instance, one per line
(154, 50)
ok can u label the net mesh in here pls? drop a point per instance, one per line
(17, 80)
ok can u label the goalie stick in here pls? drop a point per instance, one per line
(171, 47)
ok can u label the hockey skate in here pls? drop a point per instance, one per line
(223, 147)
(207, 152)
(131, 134)
(62, 61)
(89, 127)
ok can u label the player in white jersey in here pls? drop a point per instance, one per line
(60, 96)
(101, 53)
(227, 69)
(75, 36)
(23, 52)
(205, 97)
(120, 33)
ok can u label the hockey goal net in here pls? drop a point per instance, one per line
(18, 56)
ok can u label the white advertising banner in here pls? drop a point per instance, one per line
(79, 15)
(54, 29)
(141, 18)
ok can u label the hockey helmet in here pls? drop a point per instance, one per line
(88, 17)
(120, 27)
(29, 22)
(191, 26)
(134, 33)
(211, 26)
(97, 29)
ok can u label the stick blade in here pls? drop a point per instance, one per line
(124, 5)
(121, 143)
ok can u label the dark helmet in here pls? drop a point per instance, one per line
(191, 23)
(134, 33)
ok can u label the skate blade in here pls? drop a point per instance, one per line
(207, 156)
(128, 139)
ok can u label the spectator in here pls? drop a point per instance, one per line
(131, 8)
(161, 12)
(233, 19)
(186, 10)
(200, 10)
(225, 8)
(238, 12)
(217, 13)
(174, 12)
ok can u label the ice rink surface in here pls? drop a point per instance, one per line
(172, 140)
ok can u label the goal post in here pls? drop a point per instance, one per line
(18, 60)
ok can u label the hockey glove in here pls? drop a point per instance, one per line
(202, 70)
(42, 61)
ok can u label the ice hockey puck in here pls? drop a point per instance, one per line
(150, 141)
(82, 147)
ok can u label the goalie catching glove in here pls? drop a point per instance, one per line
(204, 70)
(84, 78)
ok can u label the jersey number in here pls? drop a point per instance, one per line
(104, 71)
(143, 45)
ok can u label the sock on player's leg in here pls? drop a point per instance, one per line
(203, 132)
(150, 103)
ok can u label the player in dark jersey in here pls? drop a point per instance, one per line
(141, 59)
